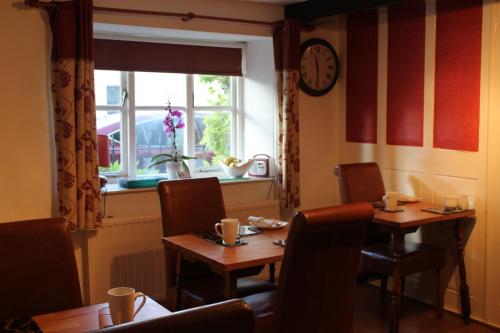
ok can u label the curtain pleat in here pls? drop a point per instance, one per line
(286, 42)
(75, 114)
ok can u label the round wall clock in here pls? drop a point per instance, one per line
(319, 67)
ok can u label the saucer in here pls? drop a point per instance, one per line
(392, 211)
(239, 242)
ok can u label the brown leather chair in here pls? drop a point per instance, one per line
(363, 182)
(317, 283)
(38, 271)
(195, 205)
(225, 317)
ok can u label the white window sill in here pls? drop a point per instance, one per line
(114, 188)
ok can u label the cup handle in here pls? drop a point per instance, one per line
(142, 303)
(217, 225)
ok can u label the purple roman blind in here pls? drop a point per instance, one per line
(172, 58)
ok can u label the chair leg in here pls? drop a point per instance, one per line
(439, 294)
(272, 269)
(383, 288)
(403, 280)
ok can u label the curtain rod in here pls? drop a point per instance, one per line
(184, 17)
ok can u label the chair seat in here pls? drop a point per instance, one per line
(415, 257)
(263, 306)
(211, 289)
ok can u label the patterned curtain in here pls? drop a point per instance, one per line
(75, 113)
(286, 42)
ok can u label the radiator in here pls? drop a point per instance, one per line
(129, 252)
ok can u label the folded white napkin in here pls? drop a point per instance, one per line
(264, 222)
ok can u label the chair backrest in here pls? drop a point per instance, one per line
(362, 182)
(225, 317)
(38, 272)
(318, 276)
(188, 205)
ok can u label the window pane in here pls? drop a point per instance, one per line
(153, 89)
(152, 140)
(109, 140)
(212, 90)
(212, 137)
(108, 89)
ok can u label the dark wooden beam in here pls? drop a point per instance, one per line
(307, 11)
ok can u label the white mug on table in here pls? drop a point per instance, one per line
(121, 304)
(463, 201)
(450, 201)
(230, 230)
(391, 200)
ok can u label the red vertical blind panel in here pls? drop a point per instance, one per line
(405, 74)
(362, 73)
(458, 74)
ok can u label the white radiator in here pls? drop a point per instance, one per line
(129, 252)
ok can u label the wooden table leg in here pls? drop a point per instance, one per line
(464, 288)
(178, 282)
(397, 246)
(230, 285)
(272, 270)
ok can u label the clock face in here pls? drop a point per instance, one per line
(319, 66)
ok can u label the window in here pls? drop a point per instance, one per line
(131, 110)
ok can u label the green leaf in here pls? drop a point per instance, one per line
(184, 157)
(184, 165)
(162, 155)
(157, 163)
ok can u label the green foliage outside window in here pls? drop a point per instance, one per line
(217, 133)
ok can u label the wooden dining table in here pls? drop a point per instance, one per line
(409, 220)
(92, 317)
(226, 261)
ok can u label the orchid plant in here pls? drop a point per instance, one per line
(173, 121)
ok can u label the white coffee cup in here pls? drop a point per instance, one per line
(450, 201)
(463, 201)
(121, 304)
(230, 230)
(391, 200)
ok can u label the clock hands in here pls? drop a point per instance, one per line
(317, 69)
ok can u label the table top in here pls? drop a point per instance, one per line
(260, 250)
(413, 216)
(92, 317)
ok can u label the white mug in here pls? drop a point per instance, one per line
(121, 304)
(230, 230)
(463, 202)
(450, 202)
(391, 200)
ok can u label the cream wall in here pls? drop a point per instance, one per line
(259, 92)
(221, 8)
(26, 177)
(26, 180)
(27, 183)
(492, 243)
(432, 173)
(318, 132)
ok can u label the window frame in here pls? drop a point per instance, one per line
(128, 111)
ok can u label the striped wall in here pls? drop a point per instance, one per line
(431, 160)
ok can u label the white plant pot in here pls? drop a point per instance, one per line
(172, 168)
